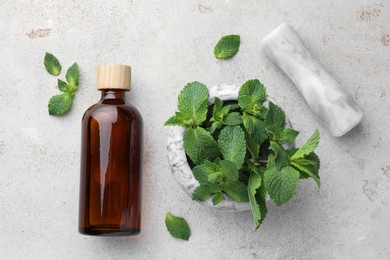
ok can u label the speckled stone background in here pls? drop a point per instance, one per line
(169, 43)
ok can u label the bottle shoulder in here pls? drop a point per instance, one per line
(103, 111)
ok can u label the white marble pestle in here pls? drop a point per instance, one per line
(334, 107)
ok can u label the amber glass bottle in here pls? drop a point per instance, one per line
(111, 157)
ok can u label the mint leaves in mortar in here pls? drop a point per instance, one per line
(237, 149)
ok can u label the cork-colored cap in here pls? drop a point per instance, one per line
(113, 76)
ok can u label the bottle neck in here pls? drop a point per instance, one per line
(117, 94)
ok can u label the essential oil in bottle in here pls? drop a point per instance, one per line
(111, 159)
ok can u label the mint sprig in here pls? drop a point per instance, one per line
(238, 150)
(60, 104)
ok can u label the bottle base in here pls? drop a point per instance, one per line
(101, 231)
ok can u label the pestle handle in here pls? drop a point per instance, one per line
(333, 106)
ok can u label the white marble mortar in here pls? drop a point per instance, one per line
(178, 160)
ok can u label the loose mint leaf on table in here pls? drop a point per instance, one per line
(281, 184)
(72, 76)
(201, 193)
(177, 226)
(232, 144)
(251, 97)
(308, 147)
(193, 102)
(60, 104)
(63, 86)
(200, 145)
(227, 47)
(52, 64)
(218, 197)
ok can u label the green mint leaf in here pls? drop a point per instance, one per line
(288, 135)
(255, 129)
(72, 76)
(63, 86)
(201, 172)
(229, 169)
(261, 198)
(275, 119)
(254, 184)
(200, 145)
(232, 119)
(308, 167)
(232, 107)
(177, 226)
(201, 193)
(231, 142)
(215, 178)
(227, 47)
(52, 64)
(251, 97)
(217, 106)
(179, 119)
(308, 147)
(281, 184)
(236, 190)
(193, 101)
(218, 197)
(281, 156)
(308, 170)
(60, 104)
(214, 126)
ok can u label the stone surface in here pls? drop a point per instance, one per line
(170, 43)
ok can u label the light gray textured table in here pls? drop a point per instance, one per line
(169, 43)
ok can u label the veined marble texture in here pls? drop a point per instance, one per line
(178, 160)
(333, 106)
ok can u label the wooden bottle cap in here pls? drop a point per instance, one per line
(113, 76)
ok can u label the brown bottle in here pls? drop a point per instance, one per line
(111, 157)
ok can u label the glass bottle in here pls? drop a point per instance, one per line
(111, 158)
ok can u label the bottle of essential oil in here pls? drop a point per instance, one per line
(111, 158)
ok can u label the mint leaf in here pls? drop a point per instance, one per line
(231, 142)
(275, 119)
(288, 135)
(227, 47)
(236, 190)
(229, 169)
(310, 171)
(251, 97)
(218, 197)
(308, 147)
(193, 102)
(200, 145)
(72, 76)
(233, 118)
(201, 172)
(201, 193)
(179, 119)
(52, 64)
(217, 107)
(281, 184)
(261, 198)
(215, 178)
(177, 226)
(255, 129)
(63, 86)
(60, 104)
(281, 156)
(254, 184)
